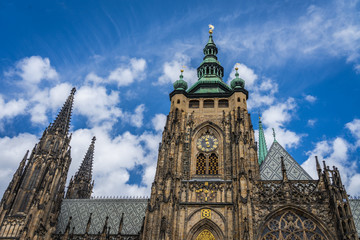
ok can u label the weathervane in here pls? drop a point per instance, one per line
(211, 28)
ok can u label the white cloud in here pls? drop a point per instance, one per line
(311, 122)
(12, 151)
(114, 156)
(277, 115)
(11, 108)
(261, 91)
(48, 99)
(310, 98)
(335, 153)
(171, 70)
(125, 75)
(245, 73)
(138, 116)
(34, 69)
(320, 31)
(354, 127)
(97, 105)
(159, 122)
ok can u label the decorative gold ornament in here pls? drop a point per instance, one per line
(205, 235)
(211, 28)
(205, 213)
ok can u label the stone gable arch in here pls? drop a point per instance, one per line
(292, 222)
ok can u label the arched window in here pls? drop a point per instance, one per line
(223, 103)
(208, 103)
(194, 104)
(213, 164)
(290, 225)
(201, 164)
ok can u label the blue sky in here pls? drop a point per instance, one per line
(300, 61)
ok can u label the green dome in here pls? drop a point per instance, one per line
(237, 82)
(180, 84)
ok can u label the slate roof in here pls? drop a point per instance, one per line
(270, 168)
(355, 210)
(80, 209)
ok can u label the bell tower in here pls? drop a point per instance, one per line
(207, 160)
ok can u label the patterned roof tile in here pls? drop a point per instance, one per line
(80, 209)
(270, 169)
(355, 210)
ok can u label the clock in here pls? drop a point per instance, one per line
(207, 143)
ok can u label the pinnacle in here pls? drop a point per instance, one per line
(85, 170)
(62, 121)
(262, 143)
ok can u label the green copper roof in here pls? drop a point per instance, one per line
(180, 84)
(262, 144)
(237, 82)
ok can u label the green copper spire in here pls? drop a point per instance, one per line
(210, 68)
(210, 72)
(262, 143)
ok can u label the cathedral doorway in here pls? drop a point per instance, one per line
(205, 235)
(205, 230)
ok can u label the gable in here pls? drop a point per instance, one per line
(270, 169)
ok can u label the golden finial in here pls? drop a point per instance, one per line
(211, 28)
(182, 69)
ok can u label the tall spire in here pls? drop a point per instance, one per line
(85, 170)
(62, 121)
(262, 143)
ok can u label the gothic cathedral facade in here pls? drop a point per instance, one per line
(212, 182)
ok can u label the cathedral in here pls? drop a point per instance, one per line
(213, 181)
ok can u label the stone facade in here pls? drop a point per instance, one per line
(208, 182)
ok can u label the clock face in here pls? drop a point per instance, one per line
(207, 143)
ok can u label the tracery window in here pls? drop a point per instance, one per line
(207, 165)
(291, 226)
